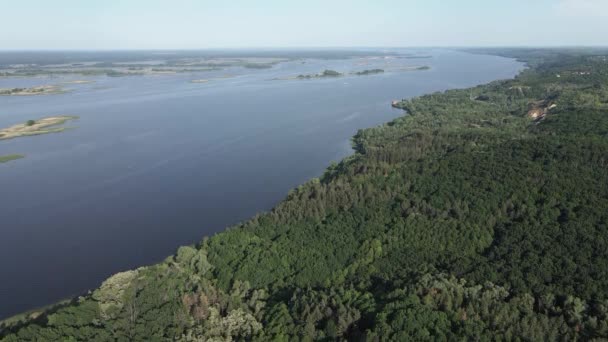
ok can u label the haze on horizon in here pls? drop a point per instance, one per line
(191, 24)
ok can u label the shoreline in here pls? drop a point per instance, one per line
(325, 170)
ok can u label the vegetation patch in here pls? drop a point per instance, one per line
(369, 72)
(10, 157)
(40, 90)
(324, 74)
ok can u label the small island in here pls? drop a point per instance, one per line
(325, 73)
(36, 127)
(415, 68)
(10, 157)
(368, 72)
(258, 65)
(40, 90)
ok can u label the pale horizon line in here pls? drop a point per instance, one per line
(306, 48)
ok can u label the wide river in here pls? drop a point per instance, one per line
(155, 162)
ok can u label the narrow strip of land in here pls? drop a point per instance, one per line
(36, 127)
(10, 157)
(38, 90)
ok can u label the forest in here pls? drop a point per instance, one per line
(480, 214)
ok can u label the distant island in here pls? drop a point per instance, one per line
(325, 73)
(368, 72)
(39, 90)
(258, 65)
(36, 127)
(112, 67)
(416, 68)
(10, 157)
(332, 73)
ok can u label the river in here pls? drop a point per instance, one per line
(155, 162)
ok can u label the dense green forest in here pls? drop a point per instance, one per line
(482, 214)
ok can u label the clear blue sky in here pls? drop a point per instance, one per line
(198, 24)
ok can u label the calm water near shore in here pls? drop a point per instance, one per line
(155, 162)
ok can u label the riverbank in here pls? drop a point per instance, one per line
(319, 127)
(388, 207)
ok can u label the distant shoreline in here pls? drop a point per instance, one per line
(33, 91)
